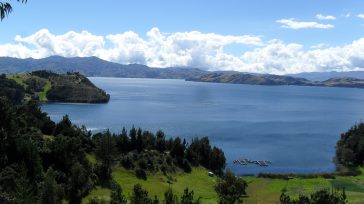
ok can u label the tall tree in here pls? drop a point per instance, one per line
(105, 150)
(230, 189)
(6, 8)
(140, 196)
(51, 192)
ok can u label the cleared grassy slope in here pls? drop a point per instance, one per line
(20, 79)
(157, 184)
(264, 190)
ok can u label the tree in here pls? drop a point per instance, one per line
(24, 189)
(6, 8)
(105, 150)
(230, 189)
(161, 142)
(187, 198)
(79, 184)
(122, 142)
(350, 148)
(117, 196)
(140, 196)
(51, 192)
(133, 137)
(217, 160)
(323, 196)
(139, 140)
(170, 197)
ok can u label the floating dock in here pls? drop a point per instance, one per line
(262, 163)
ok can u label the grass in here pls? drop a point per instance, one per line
(157, 184)
(91, 158)
(264, 190)
(20, 78)
(98, 192)
(43, 94)
(260, 190)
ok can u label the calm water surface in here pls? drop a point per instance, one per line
(294, 127)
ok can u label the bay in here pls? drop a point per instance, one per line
(294, 127)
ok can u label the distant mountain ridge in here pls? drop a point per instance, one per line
(93, 66)
(267, 79)
(96, 67)
(322, 76)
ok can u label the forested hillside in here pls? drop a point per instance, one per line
(47, 86)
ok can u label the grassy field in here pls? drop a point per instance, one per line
(20, 78)
(264, 190)
(260, 190)
(157, 184)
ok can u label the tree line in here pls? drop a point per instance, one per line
(46, 162)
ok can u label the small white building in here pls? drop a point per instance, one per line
(211, 173)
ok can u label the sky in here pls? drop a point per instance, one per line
(263, 36)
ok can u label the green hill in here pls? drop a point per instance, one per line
(268, 79)
(71, 87)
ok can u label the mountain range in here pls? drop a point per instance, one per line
(96, 67)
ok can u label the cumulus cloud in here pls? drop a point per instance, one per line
(323, 17)
(361, 15)
(196, 49)
(293, 24)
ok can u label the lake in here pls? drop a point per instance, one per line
(294, 127)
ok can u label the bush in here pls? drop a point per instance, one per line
(186, 166)
(127, 162)
(140, 174)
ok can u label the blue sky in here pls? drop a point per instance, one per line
(227, 18)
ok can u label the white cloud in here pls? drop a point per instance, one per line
(293, 24)
(348, 15)
(204, 50)
(323, 17)
(361, 15)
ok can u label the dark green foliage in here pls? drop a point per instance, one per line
(188, 197)
(6, 8)
(51, 192)
(230, 189)
(133, 135)
(350, 147)
(186, 166)
(117, 196)
(35, 84)
(140, 174)
(161, 141)
(140, 196)
(29, 146)
(155, 200)
(146, 151)
(79, 184)
(44, 162)
(105, 152)
(74, 87)
(170, 197)
(200, 152)
(217, 160)
(320, 197)
(10, 89)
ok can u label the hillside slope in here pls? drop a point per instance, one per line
(71, 87)
(267, 79)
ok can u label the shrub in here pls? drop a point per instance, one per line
(140, 174)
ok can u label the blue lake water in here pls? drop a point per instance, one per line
(294, 127)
